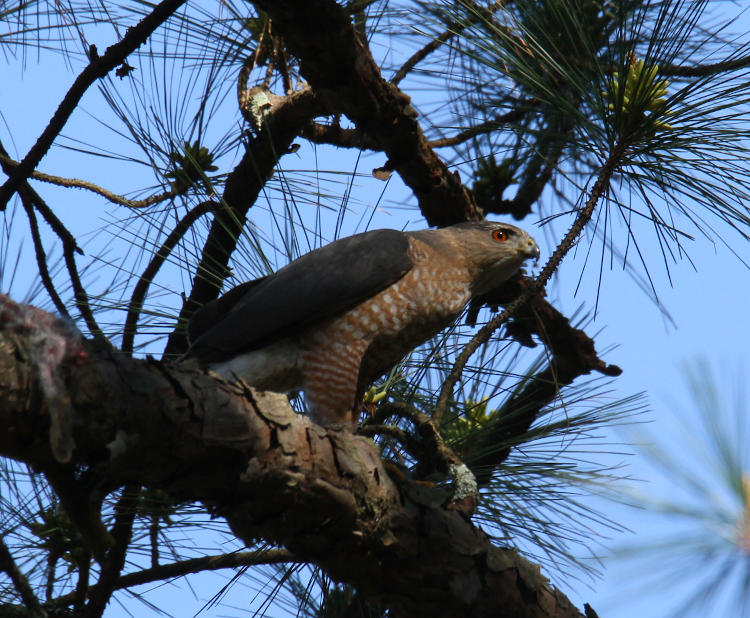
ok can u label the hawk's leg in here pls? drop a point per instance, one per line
(330, 380)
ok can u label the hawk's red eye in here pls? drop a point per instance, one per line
(500, 235)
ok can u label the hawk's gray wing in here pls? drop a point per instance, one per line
(312, 288)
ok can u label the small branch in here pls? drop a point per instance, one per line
(432, 453)
(404, 438)
(41, 258)
(81, 507)
(481, 129)
(335, 135)
(703, 70)
(144, 281)
(46, 213)
(82, 298)
(90, 186)
(483, 335)
(122, 530)
(97, 68)
(31, 198)
(454, 29)
(52, 220)
(21, 584)
(193, 565)
(206, 563)
(243, 186)
(82, 585)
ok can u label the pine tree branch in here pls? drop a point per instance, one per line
(273, 474)
(534, 289)
(340, 68)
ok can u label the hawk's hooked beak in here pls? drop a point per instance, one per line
(529, 249)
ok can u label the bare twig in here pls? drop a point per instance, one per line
(82, 298)
(46, 213)
(31, 198)
(703, 70)
(404, 438)
(454, 29)
(433, 453)
(483, 335)
(485, 127)
(144, 281)
(122, 530)
(21, 584)
(41, 257)
(53, 221)
(97, 68)
(421, 54)
(193, 565)
(90, 186)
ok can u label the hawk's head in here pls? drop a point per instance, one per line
(494, 251)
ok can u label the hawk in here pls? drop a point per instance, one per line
(332, 321)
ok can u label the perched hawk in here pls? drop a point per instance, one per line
(335, 319)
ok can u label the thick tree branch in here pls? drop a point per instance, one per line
(339, 67)
(270, 472)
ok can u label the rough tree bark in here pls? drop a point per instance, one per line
(251, 459)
